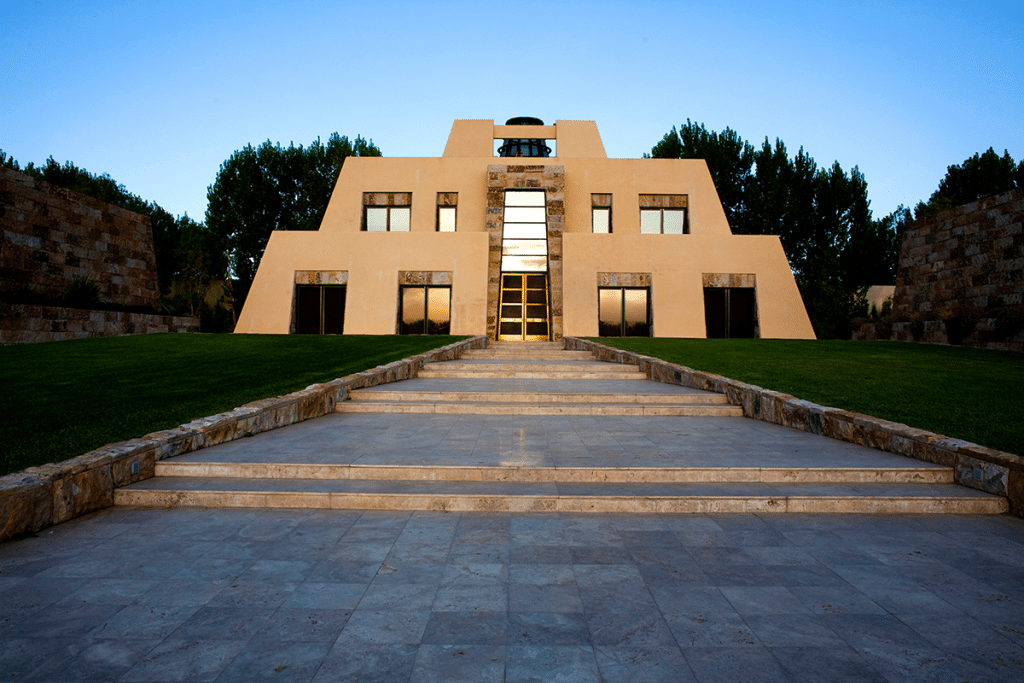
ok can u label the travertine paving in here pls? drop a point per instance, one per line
(194, 594)
(168, 594)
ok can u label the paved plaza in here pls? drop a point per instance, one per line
(169, 594)
(195, 594)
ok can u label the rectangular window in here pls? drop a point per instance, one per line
(624, 312)
(601, 207)
(319, 309)
(425, 310)
(524, 246)
(446, 204)
(387, 211)
(663, 214)
(730, 312)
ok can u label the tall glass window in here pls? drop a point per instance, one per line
(425, 310)
(524, 244)
(623, 312)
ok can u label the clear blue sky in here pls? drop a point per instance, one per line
(158, 94)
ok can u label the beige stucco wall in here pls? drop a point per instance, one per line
(676, 262)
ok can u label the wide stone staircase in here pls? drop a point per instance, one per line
(552, 430)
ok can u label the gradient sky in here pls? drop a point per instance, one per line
(158, 94)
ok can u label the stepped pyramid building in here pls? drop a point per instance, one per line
(525, 231)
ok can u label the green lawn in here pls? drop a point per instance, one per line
(62, 399)
(971, 394)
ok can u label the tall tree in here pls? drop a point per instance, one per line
(821, 215)
(979, 176)
(266, 188)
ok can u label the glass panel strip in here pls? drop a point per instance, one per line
(524, 198)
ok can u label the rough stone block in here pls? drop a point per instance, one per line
(26, 504)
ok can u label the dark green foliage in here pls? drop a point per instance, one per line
(62, 399)
(82, 293)
(966, 393)
(822, 216)
(982, 175)
(266, 188)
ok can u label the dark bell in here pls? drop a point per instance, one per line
(524, 147)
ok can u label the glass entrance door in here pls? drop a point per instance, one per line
(524, 307)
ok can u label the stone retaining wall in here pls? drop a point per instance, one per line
(960, 278)
(51, 236)
(39, 497)
(25, 324)
(974, 466)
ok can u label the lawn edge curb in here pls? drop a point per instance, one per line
(974, 466)
(39, 497)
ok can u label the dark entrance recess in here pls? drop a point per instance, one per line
(425, 310)
(623, 312)
(730, 312)
(320, 309)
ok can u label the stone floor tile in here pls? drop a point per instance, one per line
(144, 622)
(319, 625)
(641, 665)
(494, 553)
(629, 628)
(825, 665)
(835, 600)
(110, 592)
(691, 600)
(176, 660)
(467, 628)
(763, 600)
(728, 664)
(456, 663)
(970, 640)
(21, 657)
(545, 663)
(65, 620)
(384, 627)
(533, 554)
(295, 661)
(320, 595)
(711, 629)
(238, 593)
(792, 630)
(99, 661)
(488, 598)
(224, 623)
(182, 592)
(525, 597)
(548, 628)
(367, 663)
(474, 574)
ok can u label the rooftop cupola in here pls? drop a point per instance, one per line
(524, 147)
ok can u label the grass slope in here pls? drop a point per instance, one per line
(971, 394)
(66, 398)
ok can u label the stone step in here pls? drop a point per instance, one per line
(559, 497)
(500, 397)
(761, 475)
(516, 408)
(502, 354)
(526, 375)
(530, 365)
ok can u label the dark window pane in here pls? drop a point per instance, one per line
(537, 329)
(537, 312)
(512, 281)
(510, 329)
(742, 312)
(512, 296)
(512, 311)
(609, 317)
(537, 282)
(714, 312)
(438, 310)
(307, 309)
(635, 323)
(536, 296)
(334, 310)
(413, 308)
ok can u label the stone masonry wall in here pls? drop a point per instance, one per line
(51, 236)
(961, 277)
(24, 324)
